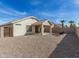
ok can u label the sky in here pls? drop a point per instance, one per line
(54, 10)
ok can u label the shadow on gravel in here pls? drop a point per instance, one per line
(67, 48)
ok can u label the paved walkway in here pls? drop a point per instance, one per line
(68, 47)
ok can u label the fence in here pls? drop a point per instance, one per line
(65, 30)
(77, 31)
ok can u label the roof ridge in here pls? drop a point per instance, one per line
(20, 19)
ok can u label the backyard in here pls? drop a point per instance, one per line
(65, 45)
(29, 46)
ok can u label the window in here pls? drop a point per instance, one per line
(46, 29)
(29, 28)
(18, 24)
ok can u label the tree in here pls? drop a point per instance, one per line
(78, 24)
(62, 22)
(71, 23)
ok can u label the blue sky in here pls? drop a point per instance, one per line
(55, 10)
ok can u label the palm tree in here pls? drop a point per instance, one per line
(78, 24)
(71, 23)
(62, 22)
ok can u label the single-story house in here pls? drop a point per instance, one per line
(28, 25)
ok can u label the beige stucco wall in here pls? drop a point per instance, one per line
(1, 32)
(33, 29)
(39, 29)
(2, 29)
(22, 29)
(46, 23)
(77, 32)
(52, 26)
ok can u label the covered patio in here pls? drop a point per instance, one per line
(43, 27)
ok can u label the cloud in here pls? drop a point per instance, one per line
(46, 14)
(76, 2)
(35, 2)
(17, 13)
(12, 12)
(7, 13)
(0, 2)
(56, 17)
(49, 15)
(53, 14)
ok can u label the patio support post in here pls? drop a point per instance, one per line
(42, 29)
(2, 31)
(33, 29)
(50, 29)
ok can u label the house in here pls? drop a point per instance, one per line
(28, 25)
(57, 26)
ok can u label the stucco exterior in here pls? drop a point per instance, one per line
(19, 30)
(21, 27)
(46, 23)
(3, 30)
(77, 31)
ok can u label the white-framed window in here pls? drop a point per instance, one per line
(29, 28)
(18, 24)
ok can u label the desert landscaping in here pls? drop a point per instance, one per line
(29, 46)
(39, 28)
(52, 45)
(41, 39)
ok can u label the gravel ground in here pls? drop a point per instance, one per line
(29, 46)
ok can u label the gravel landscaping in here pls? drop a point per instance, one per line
(29, 46)
(38, 46)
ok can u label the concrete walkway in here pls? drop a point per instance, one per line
(68, 47)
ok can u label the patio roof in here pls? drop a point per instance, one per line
(37, 23)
